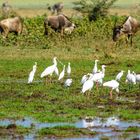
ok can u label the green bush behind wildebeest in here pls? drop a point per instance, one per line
(33, 33)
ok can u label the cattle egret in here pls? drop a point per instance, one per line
(56, 71)
(113, 84)
(119, 75)
(95, 69)
(32, 73)
(68, 82)
(62, 73)
(69, 69)
(49, 70)
(98, 77)
(88, 85)
(84, 79)
(130, 78)
(137, 76)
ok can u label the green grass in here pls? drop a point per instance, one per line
(52, 102)
(65, 131)
(132, 129)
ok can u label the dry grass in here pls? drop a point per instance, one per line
(35, 12)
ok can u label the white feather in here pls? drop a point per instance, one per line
(130, 78)
(95, 69)
(68, 83)
(69, 69)
(32, 73)
(49, 70)
(119, 75)
(113, 84)
(62, 73)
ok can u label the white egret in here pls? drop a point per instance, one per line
(95, 69)
(32, 73)
(88, 85)
(69, 69)
(98, 77)
(130, 78)
(49, 70)
(56, 71)
(113, 84)
(62, 73)
(68, 82)
(137, 76)
(119, 75)
(84, 79)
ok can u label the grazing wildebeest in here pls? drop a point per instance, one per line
(56, 8)
(57, 23)
(129, 28)
(6, 9)
(11, 25)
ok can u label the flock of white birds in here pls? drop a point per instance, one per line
(88, 80)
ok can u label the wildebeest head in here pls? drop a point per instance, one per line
(117, 32)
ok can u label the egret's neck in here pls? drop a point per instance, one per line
(55, 62)
(103, 70)
(34, 68)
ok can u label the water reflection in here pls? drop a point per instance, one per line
(104, 127)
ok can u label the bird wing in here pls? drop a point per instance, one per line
(61, 75)
(84, 78)
(87, 86)
(56, 71)
(31, 76)
(97, 76)
(112, 84)
(47, 71)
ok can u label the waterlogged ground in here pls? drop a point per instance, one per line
(29, 107)
(87, 129)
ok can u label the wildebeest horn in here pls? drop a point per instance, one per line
(66, 17)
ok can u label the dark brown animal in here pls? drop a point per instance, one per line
(129, 28)
(11, 25)
(56, 8)
(57, 23)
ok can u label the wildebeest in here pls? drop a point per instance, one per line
(11, 25)
(6, 9)
(57, 23)
(129, 28)
(56, 8)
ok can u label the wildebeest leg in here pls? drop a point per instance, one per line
(5, 31)
(130, 37)
(127, 40)
(62, 31)
(46, 31)
(131, 40)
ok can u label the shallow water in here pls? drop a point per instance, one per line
(104, 127)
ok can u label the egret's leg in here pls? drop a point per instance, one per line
(97, 85)
(46, 80)
(111, 94)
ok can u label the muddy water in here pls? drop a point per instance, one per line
(105, 128)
